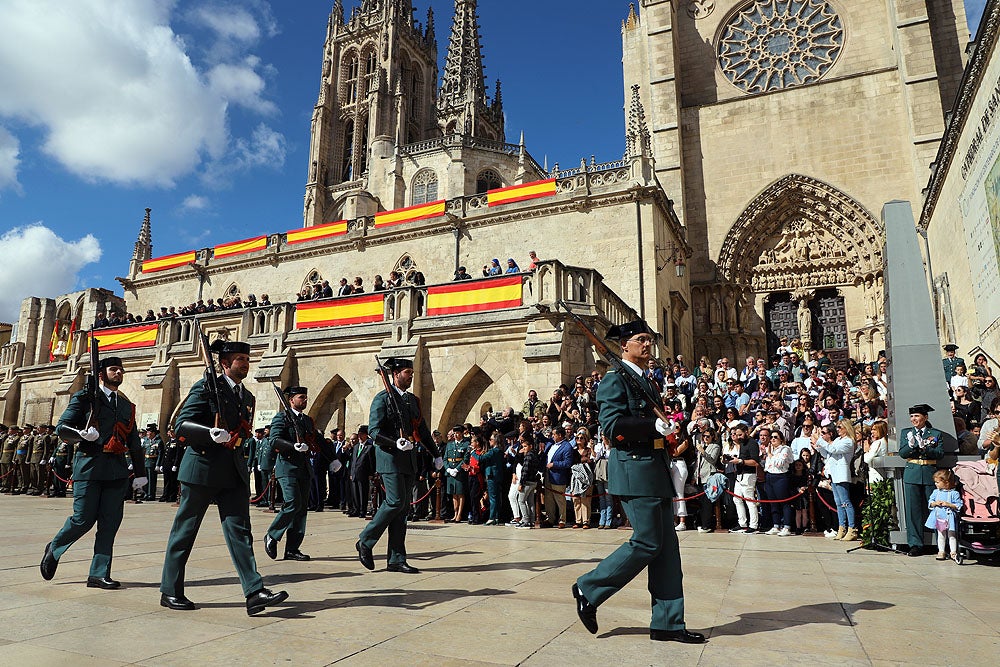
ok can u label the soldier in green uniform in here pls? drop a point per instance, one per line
(213, 470)
(152, 447)
(293, 471)
(38, 458)
(951, 362)
(456, 466)
(265, 463)
(8, 443)
(21, 455)
(638, 474)
(922, 446)
(254, 445)
(103, 425)
(395, 461)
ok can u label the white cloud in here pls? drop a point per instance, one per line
(37, 262)
(264, 148)
(10, 148)
(194, 203)
(116, 90)
(228, 22)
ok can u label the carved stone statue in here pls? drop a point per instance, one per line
(804, 317)
(731, 323)
(715, 312)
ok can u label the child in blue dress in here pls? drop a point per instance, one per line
(945, 503)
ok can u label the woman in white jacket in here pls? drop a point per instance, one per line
(877, 448)
(837, 446)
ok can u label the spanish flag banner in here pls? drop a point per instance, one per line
(316, 232)
(340, 311)
(125, 338)
(168, 262)
(410, 214)
(239, 247)
(521, 192)
(470, 296)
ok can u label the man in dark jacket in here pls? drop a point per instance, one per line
(558, 462)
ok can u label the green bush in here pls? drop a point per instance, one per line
(878, 514)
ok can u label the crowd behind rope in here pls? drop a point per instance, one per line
(783, 444)
(319, 290)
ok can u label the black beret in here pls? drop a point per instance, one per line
(230, 347)
(629, 329)
(110, 361)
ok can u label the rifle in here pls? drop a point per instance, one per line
(94, 379)
(617, 365)
(395, 409)
(287, 410)
(211, 378)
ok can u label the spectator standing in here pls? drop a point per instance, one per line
(559, 460)
(745, 461)
(604, 503)
(581, 480)
(837, 444)
(707, 463)
(944, 505)
(777, 461)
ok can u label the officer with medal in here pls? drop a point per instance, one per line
(922, 446)
(214, 470)
(152, 446)
(951, 362)
(102, 424)
(456, 463)
(639, 475)
(293, 471)
(395, 461)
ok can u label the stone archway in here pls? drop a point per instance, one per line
(464, 402)
(330, 407)
(800, 235)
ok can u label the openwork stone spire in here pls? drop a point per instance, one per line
(144, 244)
(637, 139)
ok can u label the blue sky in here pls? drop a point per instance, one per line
(200, 110)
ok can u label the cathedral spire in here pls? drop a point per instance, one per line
(337, 15)
(429, 36)
(637, 139)
(143, 249)
(464, 78)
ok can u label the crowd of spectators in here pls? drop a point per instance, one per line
(116, 319)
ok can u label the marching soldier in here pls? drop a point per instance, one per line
(638, 473)
(152, 447)
(293, 471)
(213, 470)
(921, 445)
(100, 471)
(395, 461)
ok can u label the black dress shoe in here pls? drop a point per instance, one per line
(107, 583)
(365, 556)
(176, 602)
(296, 555)
(402, 567)
(683, 636)
(270, 547)
(49, 563)
(915, 551)
(264, 598)
(586, 611)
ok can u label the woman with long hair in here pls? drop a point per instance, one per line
(837, 445)
(777, 459)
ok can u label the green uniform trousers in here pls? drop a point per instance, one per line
(391, 515)
(917, 496)
(653, 546)
(292, 517)
(94, 501)
(234, 512)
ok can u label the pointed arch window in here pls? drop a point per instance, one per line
(425, 187)
(488, 179)
(347, 163)
(351, 66)
(371, 64)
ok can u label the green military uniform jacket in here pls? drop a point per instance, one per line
(456, 452)
(153, 451)
(216, 466)
(20, 449)
(90, 462)
(291, 463)
(265, 455)
(928, 447)
(41, 449)
(950, 365)
(638, 461)
(9, 446)
(491, 462)
(385, 432)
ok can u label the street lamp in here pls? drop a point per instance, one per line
(671, 252)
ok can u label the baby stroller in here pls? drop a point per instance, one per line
(979, 522)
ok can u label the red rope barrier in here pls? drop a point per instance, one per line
(262, 493)
(56, 475)
(8, 474)
(761, 500)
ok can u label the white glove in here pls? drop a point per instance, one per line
(130, 466)
(663, 428)
(90, 434)
(300, 447)
(258, 469)
(453, 472)
(52, 460)
(219, 435)
(159, 468)
(139, 482)
(438, 463)
(404, 445)
(336, 465)
(173, 469)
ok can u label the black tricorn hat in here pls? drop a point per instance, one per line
(921, 409)
(110, 361)
(152, 427)
(950, 347)
(363, 429)
(397, 363)
(629, 329)
(292, 391)
(230, 347)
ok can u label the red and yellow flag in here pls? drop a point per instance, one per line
(470, 296)
(337, 312)
(410, 214)
(168, 262)
(126, 338)
(316, 232)
(239, 247)
(521, 192)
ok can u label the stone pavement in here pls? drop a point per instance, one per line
(486, 595)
